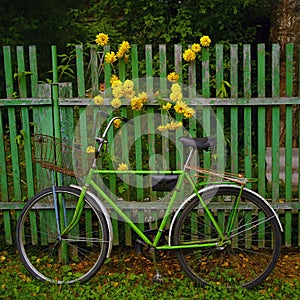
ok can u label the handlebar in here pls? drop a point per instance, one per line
(111, 122)
(101, 140)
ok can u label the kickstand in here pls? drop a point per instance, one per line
(156, 278)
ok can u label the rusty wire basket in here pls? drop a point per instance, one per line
(61, 155)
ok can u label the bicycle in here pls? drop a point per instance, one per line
(223, 233)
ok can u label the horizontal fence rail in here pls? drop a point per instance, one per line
(256, 126)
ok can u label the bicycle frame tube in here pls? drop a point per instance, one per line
(125, 217)
(233, 213)
(182, 174)
(211, 217)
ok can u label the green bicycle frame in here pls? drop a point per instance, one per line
(89, 182)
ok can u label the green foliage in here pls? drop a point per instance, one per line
(182, 21)
(45, 23)
(129, 285)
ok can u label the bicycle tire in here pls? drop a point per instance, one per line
(254, 246)
(76, 257)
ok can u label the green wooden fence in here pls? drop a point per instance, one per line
(251, 118)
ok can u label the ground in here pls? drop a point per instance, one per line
(126, 260)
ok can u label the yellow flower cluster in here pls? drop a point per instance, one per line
(190, 54)
(126, 90)
(170, 126)
(180, 106)
(123, 49)
(111, 57)
(176, 94)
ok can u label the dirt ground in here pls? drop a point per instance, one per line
(127, 260)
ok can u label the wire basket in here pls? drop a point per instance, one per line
(61, 155)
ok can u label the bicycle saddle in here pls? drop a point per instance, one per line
(198, 143)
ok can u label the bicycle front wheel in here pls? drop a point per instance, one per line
(49, 256)
(249, 250)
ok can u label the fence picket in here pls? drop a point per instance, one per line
(261, 120)
(179, 132)
(96, 67)
(289, 123)
(288, 142)
(206, 113)
(234, 110)
(25, 122)
(275, 122)
(220, 110)
(163, 88)
(247, 113)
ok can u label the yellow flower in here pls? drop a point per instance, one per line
(114, 78)
(110, 57)
(180, 107)
(161, 128)
(101, 39)
(117, 123)
(90, 149)
(173, 125)
(189, 55)
(116, 103)
(189, 112)
(117, 82)
(128, 89)
(205, 41)
(128, 85)
(196, 48)
(136, 103)
(98, 100)
(143, 96)
(175, 96)
(123, 48)
(175, 87)
(117, 90)
(167, 106)
(122, 167)
(173, 77)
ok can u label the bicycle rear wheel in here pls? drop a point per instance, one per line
(250, 251)
(48, 256)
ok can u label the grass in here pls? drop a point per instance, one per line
(123, 278)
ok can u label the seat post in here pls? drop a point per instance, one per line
(189, 158)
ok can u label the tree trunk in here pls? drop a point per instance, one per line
(285, 28)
